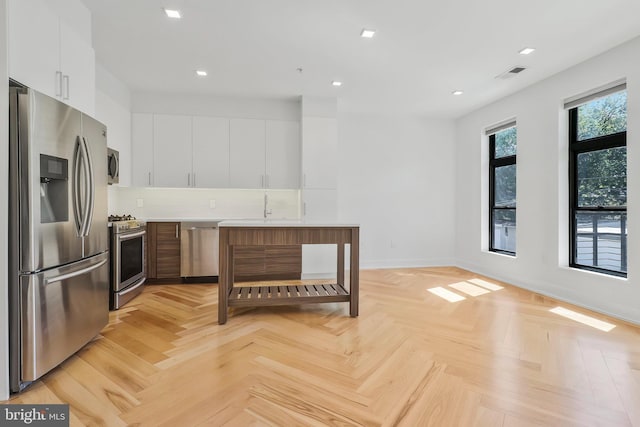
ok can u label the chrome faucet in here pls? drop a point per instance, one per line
(266, 201)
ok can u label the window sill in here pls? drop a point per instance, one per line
(595, 273)
(503, 254)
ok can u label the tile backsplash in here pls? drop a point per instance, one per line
(203, 203)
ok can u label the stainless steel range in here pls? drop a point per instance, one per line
(127, 259)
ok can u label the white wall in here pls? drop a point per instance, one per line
(216, 106)
(397, 180)
(113, 108)
(542, 217)
(4, 208)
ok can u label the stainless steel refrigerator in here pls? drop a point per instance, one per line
(58, 257)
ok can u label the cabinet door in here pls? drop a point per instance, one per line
(142, 149)
(284, 262)
(78, 65)
(282, 154)
(34, 46)
(247, 153)
(210, 152)
(319, 152)
(319, 261)
(248, 263)
(172, 153)
(167, 254)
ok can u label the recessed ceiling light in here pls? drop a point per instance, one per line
(457, 92)
(201, 73)
(172, 13)
(367, 33)
(336, 83)
(526, 51)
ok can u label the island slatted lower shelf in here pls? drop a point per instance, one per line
(252, 296)
(240, 233)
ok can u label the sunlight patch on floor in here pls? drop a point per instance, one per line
(446, 294)
(469, 289)
(485, 284)
(583, 318)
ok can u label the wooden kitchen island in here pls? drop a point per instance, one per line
(266, 233)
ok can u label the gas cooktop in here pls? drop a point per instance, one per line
(114, 218)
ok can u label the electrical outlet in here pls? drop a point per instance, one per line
(212, 204)
(140, 203)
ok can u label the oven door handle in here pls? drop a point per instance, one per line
(133, 288)
(128, 236)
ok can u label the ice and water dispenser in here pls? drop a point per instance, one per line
(54, 189)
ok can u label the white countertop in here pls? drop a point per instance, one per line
(182, 219)
(282, 223)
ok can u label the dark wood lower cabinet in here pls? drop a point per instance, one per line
(163, 255)
(252, 263)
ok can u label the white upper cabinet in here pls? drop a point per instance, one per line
(47, 55)
(78, 67)
(319, 152)
(213, 152)
(247, 153)
(34, 46)
(210, 152)
(172, 151)
(142, 149)
(282, 154)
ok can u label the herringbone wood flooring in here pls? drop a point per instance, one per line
(410, 359)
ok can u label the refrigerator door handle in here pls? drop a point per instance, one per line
(91, 190)
(76, 273)
(75, 187)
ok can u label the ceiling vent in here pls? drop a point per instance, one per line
(510, 73)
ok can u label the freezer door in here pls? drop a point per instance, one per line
(61, 310)
(42, 151)
(94, 134)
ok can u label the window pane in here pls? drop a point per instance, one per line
(606, 247)
(602, 178)
(506, 143)
(603, 116)
(504, 229)
(505, 186)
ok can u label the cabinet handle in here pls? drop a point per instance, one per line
(65, 80)
(261, 181)
(304, 180)
(176, 231)
(194, 179)
(58, 83)
(304, 209)
(149, 178)
(189, 180)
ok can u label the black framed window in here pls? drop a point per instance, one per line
(598, 184)
(502, 190)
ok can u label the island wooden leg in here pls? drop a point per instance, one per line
(341, 264)
(354, 286)
(223, 276)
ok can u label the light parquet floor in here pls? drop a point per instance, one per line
(410, 359)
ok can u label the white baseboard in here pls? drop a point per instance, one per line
(547, 290)
(405, 263)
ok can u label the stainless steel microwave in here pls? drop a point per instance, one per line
(113, 166)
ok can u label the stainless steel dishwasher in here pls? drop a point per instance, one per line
(198, 249)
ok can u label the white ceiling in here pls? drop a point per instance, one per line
(422, 51)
